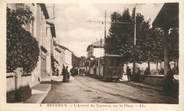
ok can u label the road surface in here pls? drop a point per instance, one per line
(84, 89)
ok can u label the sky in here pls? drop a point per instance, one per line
(74, 31)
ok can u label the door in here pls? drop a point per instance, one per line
(43, 67)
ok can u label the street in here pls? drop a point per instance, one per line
(84, 89)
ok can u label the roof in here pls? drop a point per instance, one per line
(44, 9)
(63, 47)
(52, 28)
(97, 44)
(112, 55)
(168, 16)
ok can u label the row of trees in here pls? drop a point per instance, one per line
(149, 42)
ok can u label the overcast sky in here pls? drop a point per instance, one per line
(76, 33)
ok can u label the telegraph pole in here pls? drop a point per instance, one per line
(134, 40)
(135, 26)
(105, 32)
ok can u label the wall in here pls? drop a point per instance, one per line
(43, 35)
(98, 52)
(18, 88)
(68, 59)
(47, 45)
(90, 51)
(153, 80)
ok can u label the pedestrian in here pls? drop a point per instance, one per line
(67, 73)
(161, 71)
(64, 73)
(72, 71)
(168, 85)
(128, 71)
(138, 74)
(147, 71)
(80, 71)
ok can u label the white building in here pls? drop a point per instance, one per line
(63, 56)
(96, 49)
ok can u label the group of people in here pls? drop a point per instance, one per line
(135, 77)
(66, 74)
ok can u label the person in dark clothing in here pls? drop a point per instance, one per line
(138, 74)
(67, 73)
(161, 72)
(64, 73)
(168, 82)
(147, 71)
(128, 71)
(72, 71)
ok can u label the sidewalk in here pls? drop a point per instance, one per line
(143, 85)
(39, 92)
(140, 84)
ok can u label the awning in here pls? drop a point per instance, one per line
(168, 16)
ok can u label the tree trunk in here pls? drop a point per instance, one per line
(149, 66)
(133, 68)
(156, 65)
(166, 59)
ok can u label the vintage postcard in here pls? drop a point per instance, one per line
(91, 55)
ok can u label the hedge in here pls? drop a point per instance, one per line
(22, 47)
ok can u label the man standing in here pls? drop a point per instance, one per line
(128, 71)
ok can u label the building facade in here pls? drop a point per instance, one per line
(62, 56)
(44, 32)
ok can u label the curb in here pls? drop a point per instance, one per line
(44, 95)
(39, 98)
(142, 86)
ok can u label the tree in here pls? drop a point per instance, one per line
(22, 48)
(149, 43)
(120, 39)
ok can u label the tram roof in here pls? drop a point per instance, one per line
(112, 55)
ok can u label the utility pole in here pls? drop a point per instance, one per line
(134, 39)
(135, 26)
(105, 32)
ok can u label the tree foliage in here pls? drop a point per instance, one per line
(22, 48)
(149, 41)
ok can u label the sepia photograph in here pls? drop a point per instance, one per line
(92, 53)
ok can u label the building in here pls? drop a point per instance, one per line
(59, 56)
(62, 56)
(96, 49)
(44, 31)
(95, 52)
(167, 18)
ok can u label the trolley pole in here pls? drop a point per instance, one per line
(104, 22)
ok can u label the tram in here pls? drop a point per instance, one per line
(107, 68)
